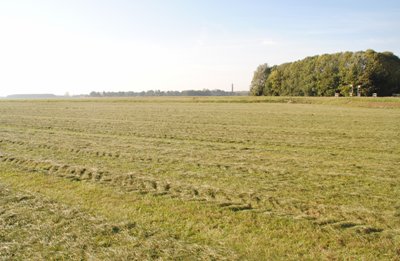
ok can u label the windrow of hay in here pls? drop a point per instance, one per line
(144, 184)
(37, 229)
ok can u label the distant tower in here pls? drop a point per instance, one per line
(232, 87)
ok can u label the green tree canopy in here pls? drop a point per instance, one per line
(259, 78)
(323, 75)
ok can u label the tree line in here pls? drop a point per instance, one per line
(324, 75)
(204, 92)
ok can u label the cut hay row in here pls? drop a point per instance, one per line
(35, 228)
(219, 197)
(141, 184)
(134, 158)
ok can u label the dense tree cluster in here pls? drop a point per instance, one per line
(325, 75)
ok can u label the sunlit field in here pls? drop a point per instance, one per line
(200, 179)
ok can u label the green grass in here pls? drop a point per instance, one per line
(200, 178)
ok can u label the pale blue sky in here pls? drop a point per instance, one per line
(81, 46)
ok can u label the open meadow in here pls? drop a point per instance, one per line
(230, 178)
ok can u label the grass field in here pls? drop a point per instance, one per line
(200, 179)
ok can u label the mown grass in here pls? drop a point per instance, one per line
(368, 102)
(206, 178)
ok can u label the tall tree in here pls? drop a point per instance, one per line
(259, 78)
